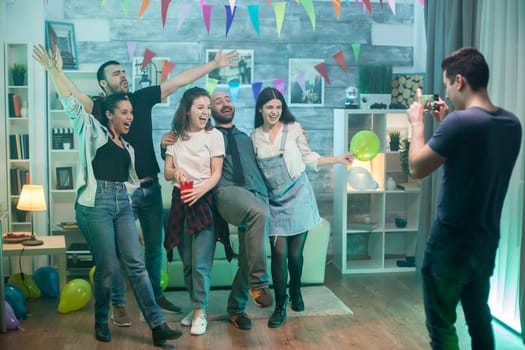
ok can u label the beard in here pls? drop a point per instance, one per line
(118, 89)
(221, 118)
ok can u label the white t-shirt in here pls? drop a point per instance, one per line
(297, 153)
(194, 155)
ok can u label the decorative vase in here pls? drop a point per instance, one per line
(18, 79)
(390, 184)
(24, 111)
(394, 145)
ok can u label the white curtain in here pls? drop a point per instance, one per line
(501, 40)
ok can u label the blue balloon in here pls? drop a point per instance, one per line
(46, 279)
(360, 179)
(15, 297)
(11, 321)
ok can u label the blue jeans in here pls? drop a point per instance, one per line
(147, 207)
(239, 206)
(197, 251)
(441, 297)
(110, 231)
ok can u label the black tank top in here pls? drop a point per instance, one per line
(111, 163)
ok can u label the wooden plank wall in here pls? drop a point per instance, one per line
(187, 48)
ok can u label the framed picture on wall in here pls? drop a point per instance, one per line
(64, 176)
(404, 86)
(62, 34)
(242, 73)
(151, 75)
(305, 84)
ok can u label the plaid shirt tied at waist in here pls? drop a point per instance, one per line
(198, 216)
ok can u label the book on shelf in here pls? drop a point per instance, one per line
(409, 186)
(69, 225)
(16, 106)
(19, 146)
(19, 178)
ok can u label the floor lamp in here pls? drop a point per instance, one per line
(32, 199)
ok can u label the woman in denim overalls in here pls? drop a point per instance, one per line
(282, 155)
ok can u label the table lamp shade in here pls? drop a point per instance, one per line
(32, 198)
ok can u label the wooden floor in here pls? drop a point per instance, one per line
(388, 314)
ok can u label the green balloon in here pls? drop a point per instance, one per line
(365, 145)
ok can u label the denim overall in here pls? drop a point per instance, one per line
(293, 207)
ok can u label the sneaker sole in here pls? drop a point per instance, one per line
(199, 332)
(120, 324)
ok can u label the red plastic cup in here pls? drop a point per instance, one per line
(186, 185)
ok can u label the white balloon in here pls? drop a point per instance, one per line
(361, 179)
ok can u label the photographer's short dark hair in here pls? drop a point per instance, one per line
(471, 64)
(101, 74)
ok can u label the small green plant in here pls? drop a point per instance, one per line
(403, 156)
(18, 73)
(395, 136)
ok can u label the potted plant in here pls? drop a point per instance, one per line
(403, 156)
(18, 74)
(395, 136)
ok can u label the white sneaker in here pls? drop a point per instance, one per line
(186, 321)
(199, 325)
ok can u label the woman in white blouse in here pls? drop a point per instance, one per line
(282, 155)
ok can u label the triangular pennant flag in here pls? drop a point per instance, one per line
(132, 45)
(232, 5)
(356, 48)
(148, 56)
(256, 89)
(368, 6)
(300, 78)
(392, 4)
(309, 7)
(361, 6)
(143, 8)
(125, 6)
(202, 3)
(337, 8)
(279, 85)
(279, 9)
(206, 13)
(184, 11)
(167, 67)
(422, 2)
(321, 68)
(253, 10)
(164, 10)
(268, 2)
(103, 3)
(381, 3)
(211, 84)
(234, 90)
(340, 58)
(229, 17)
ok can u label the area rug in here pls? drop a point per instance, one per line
(318, 300)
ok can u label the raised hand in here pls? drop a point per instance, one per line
(227, 59)
(48, 59)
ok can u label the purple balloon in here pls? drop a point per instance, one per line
(10, 318)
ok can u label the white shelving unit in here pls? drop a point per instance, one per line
(19, 142)
(366, 237)
(63, 151)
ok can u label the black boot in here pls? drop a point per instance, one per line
(279, 314)
(297, 299)
(102, 332)
(162, 333)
